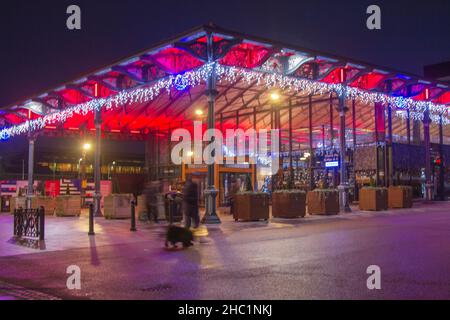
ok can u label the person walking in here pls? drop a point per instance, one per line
(235, 188)
(151, 197)
(190, 203)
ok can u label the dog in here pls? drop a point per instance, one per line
(179, 234)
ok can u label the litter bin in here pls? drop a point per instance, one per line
(173, 210)
(5, 204)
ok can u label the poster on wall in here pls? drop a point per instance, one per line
(21, 187)
(8, 188)
(105, 189)
(52, 188)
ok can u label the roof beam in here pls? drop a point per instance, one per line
(238, 96)
(81, 90)
(127, 73)
(103, 83)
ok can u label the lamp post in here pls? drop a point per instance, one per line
(343, 186)
(85, 148)
(97, 164)
(210, 216)
(79, 168)
(31, 141)
(111, 169)
(275, 125)
(426, 133)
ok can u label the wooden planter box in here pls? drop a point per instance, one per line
(323, 202)
(289, 204)
(400, 197)
(251, 206)
(49, 204)
(68, 206)
(373, 199)
(17, 202)
(117, 206)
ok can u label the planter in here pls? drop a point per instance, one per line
(49, 204)
(323, 202)
(251, 206)
(288, 204)
(373, 199)
(17, 202)
(400, 197)
(68, 206)
(117, 206)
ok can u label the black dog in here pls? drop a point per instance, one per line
(178, 234)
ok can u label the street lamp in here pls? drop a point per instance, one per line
(275, 96)
(111, 168)
(86, 147)
(79, 167)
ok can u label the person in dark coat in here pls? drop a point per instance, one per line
(151, 197)
(190, 203)
(235, 188)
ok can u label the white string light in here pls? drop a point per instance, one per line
(231, 74)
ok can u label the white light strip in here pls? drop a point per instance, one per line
(225, 73)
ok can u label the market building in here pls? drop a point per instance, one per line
(343, 123)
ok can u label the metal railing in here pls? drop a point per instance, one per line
(29, 224)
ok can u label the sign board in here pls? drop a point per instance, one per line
(331, 164)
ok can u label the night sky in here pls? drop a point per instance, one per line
(39, 52)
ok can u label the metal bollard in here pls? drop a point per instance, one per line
(41, 223)
(133, 216)
(91, 220)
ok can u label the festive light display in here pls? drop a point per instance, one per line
(227, 73)
(288, 83)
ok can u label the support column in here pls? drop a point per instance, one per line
(97, 164)
(380, 138)
(210, 216)
(255, 166)
(389, 163)
(355, 187)
(441, 165)
(30, 194)
(310, 127)
(343, 186)
(331, 121)
(426, 139)
(408, 126)
(291, 169)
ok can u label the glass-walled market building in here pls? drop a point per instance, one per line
(341, 122)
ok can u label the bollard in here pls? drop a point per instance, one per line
(41, 223)
(91, 220)
(133, 216)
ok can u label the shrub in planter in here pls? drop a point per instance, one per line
(373, 199)
(400, 197)
(323, 202)
(288, 204)
(251, 206)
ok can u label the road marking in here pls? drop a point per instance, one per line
(13, 292)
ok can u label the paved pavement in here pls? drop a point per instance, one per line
(310, 258)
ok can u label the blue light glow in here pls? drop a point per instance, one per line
(180, 82)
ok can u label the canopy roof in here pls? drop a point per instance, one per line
(164, 85)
